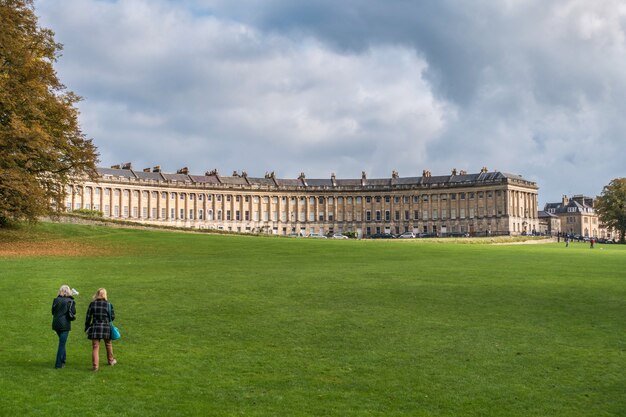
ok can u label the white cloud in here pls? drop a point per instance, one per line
(158, 80)
(531, 87)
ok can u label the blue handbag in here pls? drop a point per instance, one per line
(115, 332)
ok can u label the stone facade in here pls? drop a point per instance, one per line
(479, 204)
(576, 216)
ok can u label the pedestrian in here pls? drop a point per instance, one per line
(63, 313)
(566, 241)
(100, 314)
(592, 241)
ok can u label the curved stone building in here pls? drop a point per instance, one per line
(486, 203)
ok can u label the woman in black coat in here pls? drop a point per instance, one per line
(63, 313)
(97, 325)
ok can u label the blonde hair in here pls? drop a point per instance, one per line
(65, 291)
(101, 294)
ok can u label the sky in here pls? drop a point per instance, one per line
(529, 87)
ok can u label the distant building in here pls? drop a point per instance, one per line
(575, 216)
(486, 203)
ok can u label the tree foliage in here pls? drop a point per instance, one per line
(611, 206)
(41, 143)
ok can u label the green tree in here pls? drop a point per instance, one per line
(611, 206)
(41, 144)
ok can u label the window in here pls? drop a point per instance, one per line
(416, 198)
(425, 198)
(246, 215)
(462, 195)
(321, 200)
(349, 200)
(368, 215)
(358, 200)
(200, 214)
(378, 215)
(163, 212)
(406, 215)
(453, 196)
(368, 199)
(321, 217)
(237, 215)
(406, 199)
(274, 200)
(181, 213)
(415, 214)
(331, 200)
(378, 199)
(182, 196)
(228, 215)
(387, 215)
(172, 213)
(237, 198)
(144, 213)
(126, 211)
(330, 216)
(435, 214)
(191, 214)
(219, 215)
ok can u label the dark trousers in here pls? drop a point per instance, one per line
(60, 362)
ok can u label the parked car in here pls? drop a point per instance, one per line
(382, 236)
(407, 235)
(339, 236)
(458, 234)
(424, 235)
(317, 236)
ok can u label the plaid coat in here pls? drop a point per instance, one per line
(97, 320)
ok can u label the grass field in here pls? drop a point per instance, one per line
(257, 326)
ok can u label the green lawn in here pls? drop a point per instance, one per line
(257, 326)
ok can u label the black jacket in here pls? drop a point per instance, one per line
(61, 307)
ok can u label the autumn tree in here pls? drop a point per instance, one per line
(611, 206)
(41, 144)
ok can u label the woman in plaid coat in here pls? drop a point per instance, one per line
(97, 327)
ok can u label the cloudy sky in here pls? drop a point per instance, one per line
(531, 87)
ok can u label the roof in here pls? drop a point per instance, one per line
(324, 183)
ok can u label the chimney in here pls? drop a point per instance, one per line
(394, 174)
(565, 200)
(127, 165)
(115, 167)
(453, 171)
(146, 170)
(156, 168)
(333, 179)
(183, 170)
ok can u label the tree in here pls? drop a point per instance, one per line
(41, 144)
(611, 206)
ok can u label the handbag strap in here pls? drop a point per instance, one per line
(109, 311)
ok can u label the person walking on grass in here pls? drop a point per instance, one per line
(63, 313)
(97, 325)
